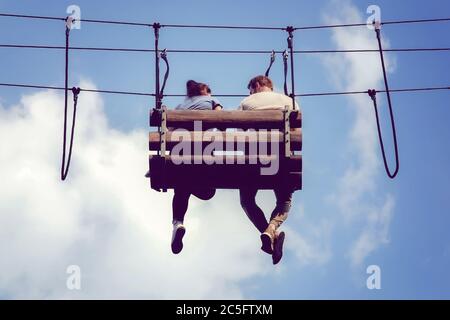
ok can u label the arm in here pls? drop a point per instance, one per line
(216, 105)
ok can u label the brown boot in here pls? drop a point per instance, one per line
(278, 247)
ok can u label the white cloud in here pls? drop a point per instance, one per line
(375, 233)
(355, 196)
(106, 219)
(312, 244)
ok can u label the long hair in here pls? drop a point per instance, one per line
(194, 88)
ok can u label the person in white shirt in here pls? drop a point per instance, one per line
(262, 97)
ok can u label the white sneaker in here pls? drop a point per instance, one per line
(177, 237)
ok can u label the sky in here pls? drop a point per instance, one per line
(105, 218)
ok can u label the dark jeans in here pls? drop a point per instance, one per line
(181, 197)
(256, 215)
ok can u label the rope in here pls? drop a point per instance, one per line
(191, 26)
(156, 27)
(331, 26)
(285, 71)
(272, 60)
(24, 46)
(372, 93)
(166, 75)
(365, 92)
(290, 40)
(75, 91)
(142, 24)
(312, 94)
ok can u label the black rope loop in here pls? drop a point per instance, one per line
(272, 60)
(285, 68)
(75, 91)
(372, 94)
(163, 56)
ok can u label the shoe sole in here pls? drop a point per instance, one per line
(278, 248)
(177, 243)
(266, 243)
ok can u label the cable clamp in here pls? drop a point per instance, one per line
(372, 94)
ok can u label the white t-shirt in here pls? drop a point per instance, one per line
(267, 100)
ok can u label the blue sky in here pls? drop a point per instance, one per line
(412, 246)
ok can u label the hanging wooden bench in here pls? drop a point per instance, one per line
(262, 139)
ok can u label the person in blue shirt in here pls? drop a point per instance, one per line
(198, 97)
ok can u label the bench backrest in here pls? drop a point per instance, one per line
(262, 137)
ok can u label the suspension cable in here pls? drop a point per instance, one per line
(148, 94)
(143, 50)
(142, 24)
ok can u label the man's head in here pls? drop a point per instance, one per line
(260, 84)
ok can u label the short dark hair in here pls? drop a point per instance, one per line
(263, 81)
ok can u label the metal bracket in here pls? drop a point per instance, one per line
(287, 131)
(163, 132)
(159, 174)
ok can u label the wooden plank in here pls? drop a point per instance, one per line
(171, 176)
(293, 180)
(222, 137)
(258, 119)
(213, 164)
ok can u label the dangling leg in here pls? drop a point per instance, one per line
(180, 204)
(256, 216)
(281, 211)
(254, 213)
(279, 215)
